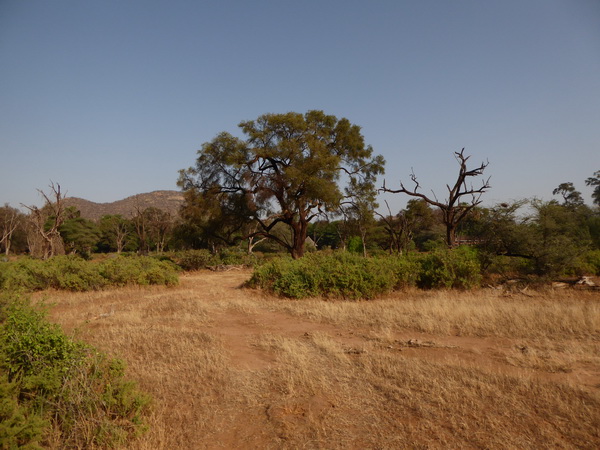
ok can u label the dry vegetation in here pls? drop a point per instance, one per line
(230, 367)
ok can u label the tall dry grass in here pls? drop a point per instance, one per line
(564, 314)
(233, 368)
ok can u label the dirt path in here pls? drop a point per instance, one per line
(240, 329)
(230, 367)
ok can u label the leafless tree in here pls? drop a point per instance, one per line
(9, 221)
(121, 232)
(454, 209)
(44, 237)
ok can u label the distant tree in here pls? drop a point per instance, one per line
(159, 225)
(324, 234)
(570, 195)
(595, 181)
(287, 171)
(560, 236)
(115, 230)
(500, 230)
(551, 236)
(454, 209)
(359, 207)
(44, 238)
(79, 235)
(10, 221)
(141, 226)
(208, 221)
(425, 224)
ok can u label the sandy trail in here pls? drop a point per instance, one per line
(240, 328)
(231, 367)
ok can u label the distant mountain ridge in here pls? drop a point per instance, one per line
(169, 201)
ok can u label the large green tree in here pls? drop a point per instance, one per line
(79, 235)
(288, 170)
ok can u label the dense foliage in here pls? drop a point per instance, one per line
(348, 275)
(76, 274)
(57, 390)
(286, 171)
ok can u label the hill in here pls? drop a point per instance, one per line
(169, 201)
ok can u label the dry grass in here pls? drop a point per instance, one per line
(573, 314)
(234, 368)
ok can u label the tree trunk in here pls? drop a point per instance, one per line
(450, 235)
(299, 231)
(363, 237)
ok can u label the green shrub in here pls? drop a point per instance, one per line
(457, 268)
(143, 270)
(51, 384)
(75, 274)
(232, 256)
(341, 274)
(348, 275)
(592, 260)
(202, 259)
(33, 346)
(194, 259)
(25, 274)
(61, 272)
(20, 427)
(406, 269)
(355, 244)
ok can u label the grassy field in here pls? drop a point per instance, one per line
(230, 367)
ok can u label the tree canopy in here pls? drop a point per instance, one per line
(287, 170)
(570, 195)
(595, 181)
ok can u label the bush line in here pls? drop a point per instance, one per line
(73, 273)
(347, 275)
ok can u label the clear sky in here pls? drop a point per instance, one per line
(111, 98)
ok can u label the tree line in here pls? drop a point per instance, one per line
(308, 181)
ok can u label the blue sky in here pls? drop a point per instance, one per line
(111, 98)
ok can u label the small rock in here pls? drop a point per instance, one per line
(524, 349)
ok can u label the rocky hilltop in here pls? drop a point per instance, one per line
(169, 201)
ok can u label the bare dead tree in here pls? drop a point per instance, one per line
(121, 231)
(9, 221)
(44, 237)
(454, 209)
